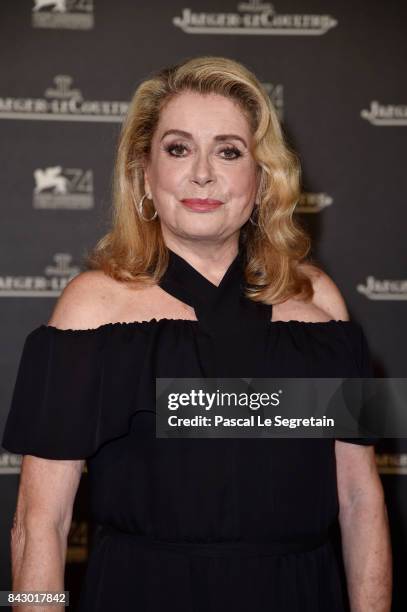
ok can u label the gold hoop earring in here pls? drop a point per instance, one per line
(140, 209)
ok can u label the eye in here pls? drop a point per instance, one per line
(175, 147)
(231, 151)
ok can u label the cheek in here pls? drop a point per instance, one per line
(243, 180)
(167, 176)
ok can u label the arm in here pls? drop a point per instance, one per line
(364, 528)
(48, 487)
(362, 510)
(41, 524)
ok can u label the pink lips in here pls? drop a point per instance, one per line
(201, 204)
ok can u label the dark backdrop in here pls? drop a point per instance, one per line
(336, 73)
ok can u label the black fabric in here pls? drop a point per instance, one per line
(191, 524)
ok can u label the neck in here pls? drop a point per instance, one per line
(208, 259)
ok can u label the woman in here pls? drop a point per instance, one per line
(204, 273)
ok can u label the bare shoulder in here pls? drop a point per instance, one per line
(87, 301)
(327, 295)
(326, 304)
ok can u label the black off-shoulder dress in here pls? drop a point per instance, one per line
(191, 525)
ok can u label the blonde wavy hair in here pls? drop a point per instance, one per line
(134, 250)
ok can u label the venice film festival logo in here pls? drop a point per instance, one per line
(385, 114)
(63, 14)
(256, 18)
(385, 289)
(57, 187)
(62, 102)
(49, 284)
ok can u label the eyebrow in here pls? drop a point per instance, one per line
(218, 138)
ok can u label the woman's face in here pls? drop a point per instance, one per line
(201, 150)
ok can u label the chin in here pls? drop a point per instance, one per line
(202, 223)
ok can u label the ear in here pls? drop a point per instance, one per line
(147, 187)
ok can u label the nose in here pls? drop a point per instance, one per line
(202, 171)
